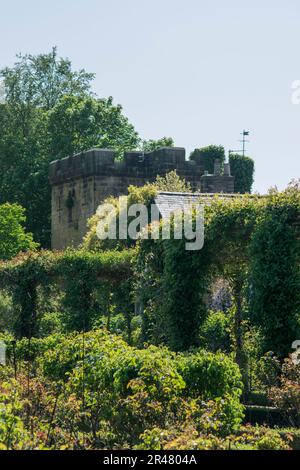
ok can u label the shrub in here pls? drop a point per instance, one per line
(13, 237)
(271, 441)
(215, 332)
(133, 390)
(286, 396)
(209, 375)
(268, 371)
(216, 378)
(14, 434)
(242, 168)
(6, 312)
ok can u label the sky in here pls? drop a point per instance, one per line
(199, 71)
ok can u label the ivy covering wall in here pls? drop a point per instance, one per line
(77, 274)
(242, 168)
(252, 242)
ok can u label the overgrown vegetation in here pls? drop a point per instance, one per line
(140, 343)
(242, 168)
(92, 365)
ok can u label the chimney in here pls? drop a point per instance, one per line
(217, 167)
(227, 169)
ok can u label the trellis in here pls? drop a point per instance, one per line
(77, 273)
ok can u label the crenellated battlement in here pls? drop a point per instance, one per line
(82, 181)
(102, 162)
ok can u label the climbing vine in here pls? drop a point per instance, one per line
(242, 168)
(77, 273)
(253, 243)
(275, 273)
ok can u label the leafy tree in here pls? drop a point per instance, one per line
(40, 81)
(208, 155)
(35, 88)
(32, 87)
(78, 123)
(150, 145)
(13, 237)
(242, 168)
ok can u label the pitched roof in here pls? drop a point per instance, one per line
(169, 202)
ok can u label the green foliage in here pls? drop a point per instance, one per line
(136, 195)
(242, 168)
(134, 390)
(12, 430)
(115, 394)
(208, 155)
(187, 275)
(268, 371)
(81, 274)
(150, 145)
(13, 237)
(275, 274)
(41, 80)
(32, 88)
(209, 375)
(253, 243)
(172, 182)
(6, 312)
(215, 331)
(286, 394)
(271, 441)
(32, 349)
(184, 285)
(50, 323)
(22, 276)
(49, 113)
(202, 437)
(130, 389)
(79, 271)
(78, 123)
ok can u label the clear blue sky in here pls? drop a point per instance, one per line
(197, 70)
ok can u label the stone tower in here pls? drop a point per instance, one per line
(81, 182)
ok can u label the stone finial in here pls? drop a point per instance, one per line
(227, 169)
(217, 167)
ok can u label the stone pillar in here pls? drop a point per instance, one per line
(217, 167)
(227, 169)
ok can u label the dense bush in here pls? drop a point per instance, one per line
(242, 168)
(274, 271)
(209, 375)
(215, 331)
(95, 389)
(188, 437)
(13, 237)
(133, 390)
(286, 395)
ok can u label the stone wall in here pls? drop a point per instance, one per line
(81, 182)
